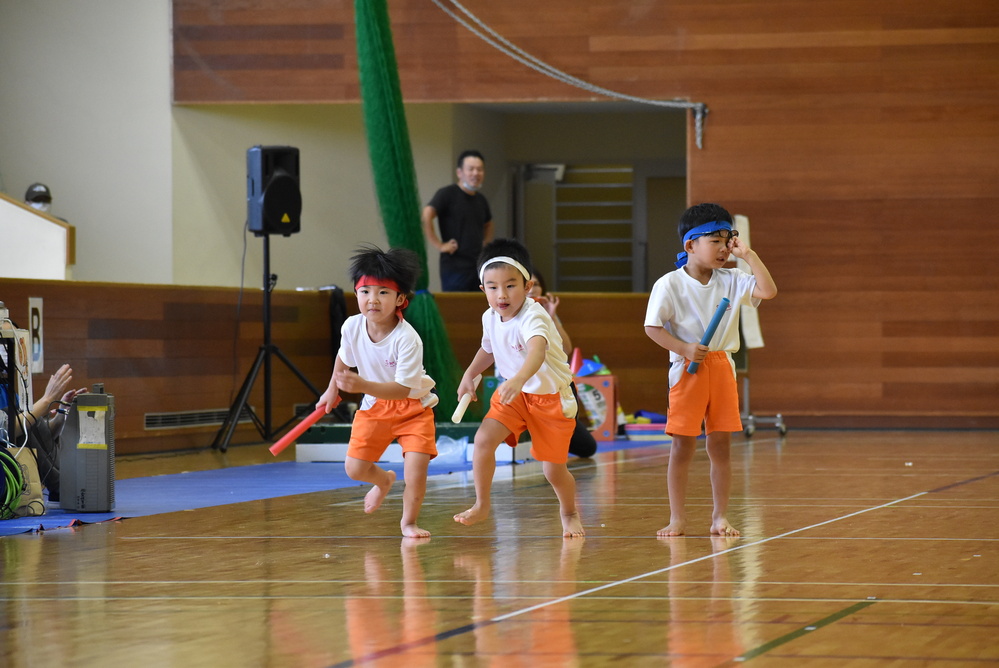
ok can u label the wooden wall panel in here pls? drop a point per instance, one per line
(165, 349)
(168, 349)
(861, 139)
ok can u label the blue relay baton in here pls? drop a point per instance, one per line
(710, 331)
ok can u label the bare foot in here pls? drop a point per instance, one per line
(411, 543)
(722, 543)
(674, 528)
(413, 531)
(721, 527)
(572, 526)
(471, 516)
(373, 499)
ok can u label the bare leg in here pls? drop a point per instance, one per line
(358, 469)
(415, 473)
(720, 454)
(681, 453)
(487, 439)
(565, 489)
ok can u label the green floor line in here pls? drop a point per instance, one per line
(777, 642)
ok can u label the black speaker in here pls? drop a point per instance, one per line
(273, 200)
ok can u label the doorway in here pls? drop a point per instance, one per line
(600, 227)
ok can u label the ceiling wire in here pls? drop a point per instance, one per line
(497, 41)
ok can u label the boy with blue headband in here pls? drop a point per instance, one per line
(681, 305)
(521, 340)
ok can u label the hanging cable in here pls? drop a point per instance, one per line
(12, 484)
(497, 41)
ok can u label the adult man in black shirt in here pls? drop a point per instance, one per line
(465, 221)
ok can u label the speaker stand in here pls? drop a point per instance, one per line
(264, 354)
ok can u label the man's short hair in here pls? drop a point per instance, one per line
(469, 154)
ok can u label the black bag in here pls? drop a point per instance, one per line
(46, 446)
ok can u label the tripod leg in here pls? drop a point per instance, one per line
(294, 370)
(224, 434)
(305, 381)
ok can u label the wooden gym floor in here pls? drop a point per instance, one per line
(859, 548)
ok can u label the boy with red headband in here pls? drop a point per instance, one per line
(521, 340)
(680, 307)
(387, 354)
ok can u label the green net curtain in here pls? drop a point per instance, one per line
(395, 186)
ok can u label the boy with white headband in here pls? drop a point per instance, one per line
(681, 305)
(397, 405)
(521, 340)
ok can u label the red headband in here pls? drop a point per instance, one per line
(364, 281)
(372, 280)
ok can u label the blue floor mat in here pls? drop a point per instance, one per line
(138, 497)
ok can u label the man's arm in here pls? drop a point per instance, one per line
(427, 217)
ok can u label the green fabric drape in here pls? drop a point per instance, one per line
(395, 185)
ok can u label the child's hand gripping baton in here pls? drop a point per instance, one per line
(300, 428)
(710, 331)
(466, 399)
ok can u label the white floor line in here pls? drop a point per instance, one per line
(635, 578)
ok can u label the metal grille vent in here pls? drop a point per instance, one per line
(181, 419)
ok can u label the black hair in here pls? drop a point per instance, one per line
(471, 153)
(539, 279)
(505, 247)
(398, 264)
(700, 214)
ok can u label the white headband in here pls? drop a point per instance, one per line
(507, 260)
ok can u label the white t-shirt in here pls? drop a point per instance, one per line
(685, 306)
(507, 341)
(398, 358)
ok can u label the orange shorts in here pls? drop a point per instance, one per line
(540, 414)
(402, 420)
(709, 398)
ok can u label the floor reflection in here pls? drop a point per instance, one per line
(703, 628)
(379, 625)
(540, 637)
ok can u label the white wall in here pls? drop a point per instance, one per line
(158, 193)
(85, 108)
(339, 208)
(34, 245)
(484, 131)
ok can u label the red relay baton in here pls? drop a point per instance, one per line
(300, 428)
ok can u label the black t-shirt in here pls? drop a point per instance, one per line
(462, 217)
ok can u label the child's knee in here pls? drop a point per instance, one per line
(719, 444)
(555, 471)
(356, 468)
(490, 436)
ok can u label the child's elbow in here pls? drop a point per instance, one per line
(768, 293)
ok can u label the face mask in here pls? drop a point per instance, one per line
(470, 187)
(44, 207)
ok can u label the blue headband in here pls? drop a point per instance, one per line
(700, 231)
